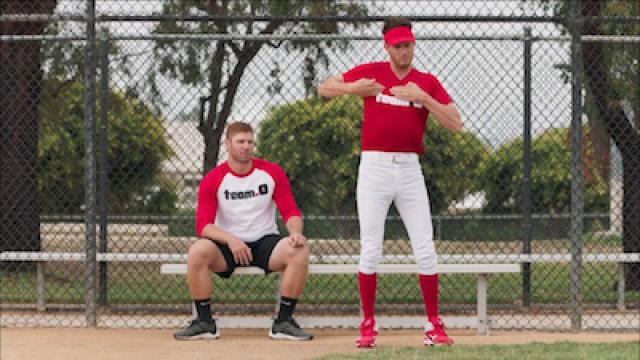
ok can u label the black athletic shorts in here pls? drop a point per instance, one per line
(260, 250)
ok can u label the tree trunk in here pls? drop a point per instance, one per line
(620, 129)
(20, 86)
(631, 213)
(217, 120)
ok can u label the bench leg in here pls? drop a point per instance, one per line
(621, 305)
(40, 295)
(483, 321)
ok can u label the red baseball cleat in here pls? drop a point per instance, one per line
(435, 335)
(368, 334)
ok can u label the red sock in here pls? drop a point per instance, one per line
(367, 287)
(429, 287)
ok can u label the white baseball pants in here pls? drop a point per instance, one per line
(385, 177)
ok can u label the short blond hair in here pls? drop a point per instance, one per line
(238, 127)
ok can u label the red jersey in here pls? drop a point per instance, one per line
(389, 123)
(244, 205)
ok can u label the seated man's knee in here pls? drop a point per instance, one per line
(299, 255)
(199, 253)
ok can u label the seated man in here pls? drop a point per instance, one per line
(235, 220)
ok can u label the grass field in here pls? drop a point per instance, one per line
(535, 351)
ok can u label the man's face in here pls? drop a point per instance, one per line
(240, 147)
(401, 54)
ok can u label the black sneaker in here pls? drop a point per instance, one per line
(288, 330)
(198, 330)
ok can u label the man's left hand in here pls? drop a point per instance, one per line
(410, 92)
(297, 240)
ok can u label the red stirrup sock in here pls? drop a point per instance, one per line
(429, 287)
(367, 287)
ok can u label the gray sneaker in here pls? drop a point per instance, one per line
(198, 330)
(288, 330)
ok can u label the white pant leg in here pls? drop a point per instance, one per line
(374, 193)
(412, 202)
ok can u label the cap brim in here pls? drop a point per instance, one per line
(401, 39)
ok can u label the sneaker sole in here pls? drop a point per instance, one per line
(206, 336)
(370, 344)
(431, 343)
(281, 336)
(366, 346)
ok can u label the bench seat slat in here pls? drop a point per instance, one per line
(336, 259)
(382, 269)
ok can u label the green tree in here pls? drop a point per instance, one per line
(220, 65)
(451, 165)
(550, 177)
(318, 143)
(136, 149)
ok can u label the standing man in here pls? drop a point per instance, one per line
(397, 102)
(235, 221)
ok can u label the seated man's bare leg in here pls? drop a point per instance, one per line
(204, 256)
(293, 262)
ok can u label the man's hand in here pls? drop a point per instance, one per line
(410, 92)
(241, 252)
(365, 87)
(296, 240)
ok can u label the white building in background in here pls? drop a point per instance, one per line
(185, 167)
(616, 191)
(475, 201)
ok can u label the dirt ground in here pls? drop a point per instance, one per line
(98, 344)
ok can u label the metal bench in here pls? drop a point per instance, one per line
(481, 270)
(480, 264)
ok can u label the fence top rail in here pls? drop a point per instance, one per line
(327, 259)
(319, 37)
(297, 18)
(154, 219)
(80, 17)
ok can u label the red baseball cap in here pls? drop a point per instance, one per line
(399, 34)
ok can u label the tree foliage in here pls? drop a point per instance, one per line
(136, 148)
(317, 143)
(502, 177)
(451, 165)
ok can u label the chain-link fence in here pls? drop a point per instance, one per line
(111, 112)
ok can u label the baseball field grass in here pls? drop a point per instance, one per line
(534, 351)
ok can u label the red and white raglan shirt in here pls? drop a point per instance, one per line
(389, 123)
(244, 204)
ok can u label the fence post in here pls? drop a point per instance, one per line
(103, 167)
(526, 177)
(577, 200)
(90, 165)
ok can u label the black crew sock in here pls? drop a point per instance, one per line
(203, 308)
(287, 305)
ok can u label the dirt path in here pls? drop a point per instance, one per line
(74, 343)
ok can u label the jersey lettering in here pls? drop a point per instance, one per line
(263, 189)
(392, 100)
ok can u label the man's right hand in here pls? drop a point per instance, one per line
(241, 252)
(365, 87)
